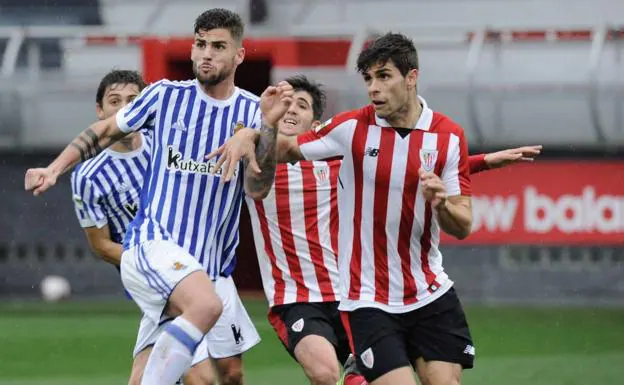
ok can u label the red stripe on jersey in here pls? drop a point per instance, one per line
(279, 284)
(380, 212)
(334, 219)
(312, 232)
(410, 189)
(344, 317)
(279, 326)
(358, 144)
(285, 224)
(425, 239)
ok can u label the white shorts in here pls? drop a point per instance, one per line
(233, 334)
(149, 272)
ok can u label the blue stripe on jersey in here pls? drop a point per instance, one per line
(179, 177)
(202, 187)
(182, 199)
(191, 178)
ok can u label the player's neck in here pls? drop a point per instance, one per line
(221, 91)
(127, 144)
(408, 116)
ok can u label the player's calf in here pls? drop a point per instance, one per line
(200, 374)
(230, 370)
(318, 358)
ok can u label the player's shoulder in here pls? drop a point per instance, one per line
(243, 93)
(364, 114)
(441, 123)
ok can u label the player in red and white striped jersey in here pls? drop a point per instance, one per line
(296, 235)
(404, 177)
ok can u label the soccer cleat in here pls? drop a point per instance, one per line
(350, 367)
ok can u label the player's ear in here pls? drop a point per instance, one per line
(99, 112)
(315, 124)
(412, 78)
(240, 55)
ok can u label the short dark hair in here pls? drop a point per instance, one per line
(221, 18)
(302, 83)
(392, 46)
(118, 77)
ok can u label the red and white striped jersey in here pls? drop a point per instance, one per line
(388, 244)
(295, 231)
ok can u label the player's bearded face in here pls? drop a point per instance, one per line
(300, 117)
(215, 56)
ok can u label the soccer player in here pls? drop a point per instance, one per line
(187, 223)
(296, 236)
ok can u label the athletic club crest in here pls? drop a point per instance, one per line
(368, 359)
(428, 159)
(321, 174)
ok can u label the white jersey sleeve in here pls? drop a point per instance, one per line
(86, 202)
(330, 139)
(456, 172)
(141, 113)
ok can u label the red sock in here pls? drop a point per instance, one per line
(355, 379)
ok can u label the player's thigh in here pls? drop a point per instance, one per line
(158, 272)
(317, 357)
(438, 372)
(234, 333)
(439, 332)
(403, 376)
(378, 342)
(138, 366)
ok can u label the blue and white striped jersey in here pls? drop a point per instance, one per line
(106, 188)
(182, 200)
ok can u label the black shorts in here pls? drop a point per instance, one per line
(436, 332)
(294, 321)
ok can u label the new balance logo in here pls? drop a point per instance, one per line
(238, 337)
(371, 151)
(179, 125)
(470, 350)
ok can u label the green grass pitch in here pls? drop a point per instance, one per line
(90, 343)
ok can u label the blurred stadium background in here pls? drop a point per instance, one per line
(543, 274)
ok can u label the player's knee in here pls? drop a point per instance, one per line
(324, 374)
(440, 378)
(204, 311)
(196, 376)
(135, 377)
(233, 376)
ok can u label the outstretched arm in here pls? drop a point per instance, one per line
(88, 144)
(484, 162)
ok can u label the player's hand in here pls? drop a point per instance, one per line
(240, 145)
(511, 156)
(274, 103)
(433, 189)
(38, 180)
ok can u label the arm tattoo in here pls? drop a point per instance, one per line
(88, 144)
(266, 156)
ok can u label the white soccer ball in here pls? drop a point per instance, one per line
(55, 288)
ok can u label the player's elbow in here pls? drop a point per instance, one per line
(257, 194)
(462, 233)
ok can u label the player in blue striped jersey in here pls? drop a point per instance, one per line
(187, 222)
(106, 191)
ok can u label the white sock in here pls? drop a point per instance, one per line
(172, 353)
